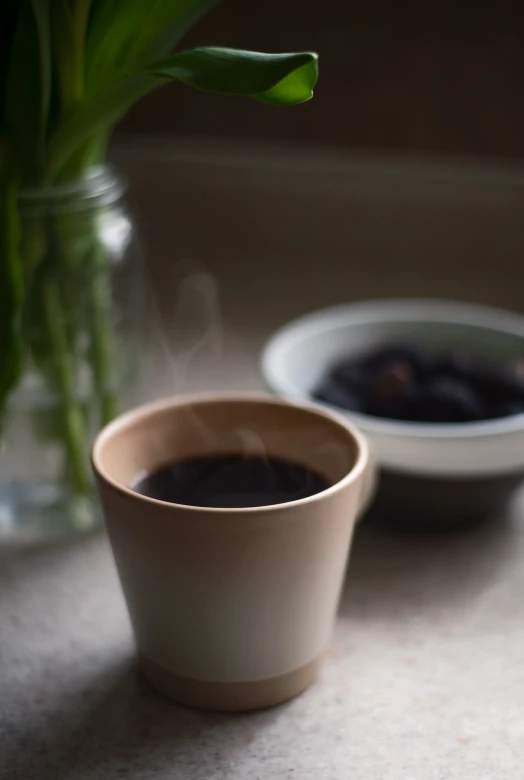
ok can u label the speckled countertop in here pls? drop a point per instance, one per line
(424, 679)
(425, 676)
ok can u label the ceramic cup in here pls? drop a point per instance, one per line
(232, 609)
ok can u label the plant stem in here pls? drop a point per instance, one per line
(11, 294)
(102, 347)
(64, 375)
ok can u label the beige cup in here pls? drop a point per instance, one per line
(232, 609)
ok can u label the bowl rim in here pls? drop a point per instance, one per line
(392, 310)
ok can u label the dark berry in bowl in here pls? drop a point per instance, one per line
(393, 392)
(391, 378)
(330, 392)
(512, 379)
(396, 354)
(400, 382)
(448, 400)
(507, 408)
(351, 376)
(456, 364)
(401, 405)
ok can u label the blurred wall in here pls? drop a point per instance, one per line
(434, 76)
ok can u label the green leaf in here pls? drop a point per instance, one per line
(7, 28)
(26, 94)
(41, 12)
(81, 11)
(64, 55)
(280, 79)
(69, 22)
(126, 35)
(4, 158)
(11, 291)
(92, 118)
(288, 90)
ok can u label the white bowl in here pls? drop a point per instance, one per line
(487, 455)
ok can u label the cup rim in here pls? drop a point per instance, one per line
(144, 410)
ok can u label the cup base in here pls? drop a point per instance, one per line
(230, 697)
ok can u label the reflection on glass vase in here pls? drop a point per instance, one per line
(82, 327)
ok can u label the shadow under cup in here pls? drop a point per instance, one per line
(232, 609)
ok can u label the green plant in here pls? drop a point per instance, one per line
(69, 70)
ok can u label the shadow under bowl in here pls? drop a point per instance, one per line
(413, 502)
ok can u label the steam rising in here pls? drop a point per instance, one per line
(188, 334)
(192, 328)
(187, 330)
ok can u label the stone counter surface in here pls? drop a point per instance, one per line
(424, 679)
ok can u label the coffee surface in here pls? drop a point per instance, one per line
(231, 481)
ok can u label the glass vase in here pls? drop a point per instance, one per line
(81, 329)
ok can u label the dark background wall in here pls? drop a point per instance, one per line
(421, 75)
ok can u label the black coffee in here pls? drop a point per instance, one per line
(231, 481)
